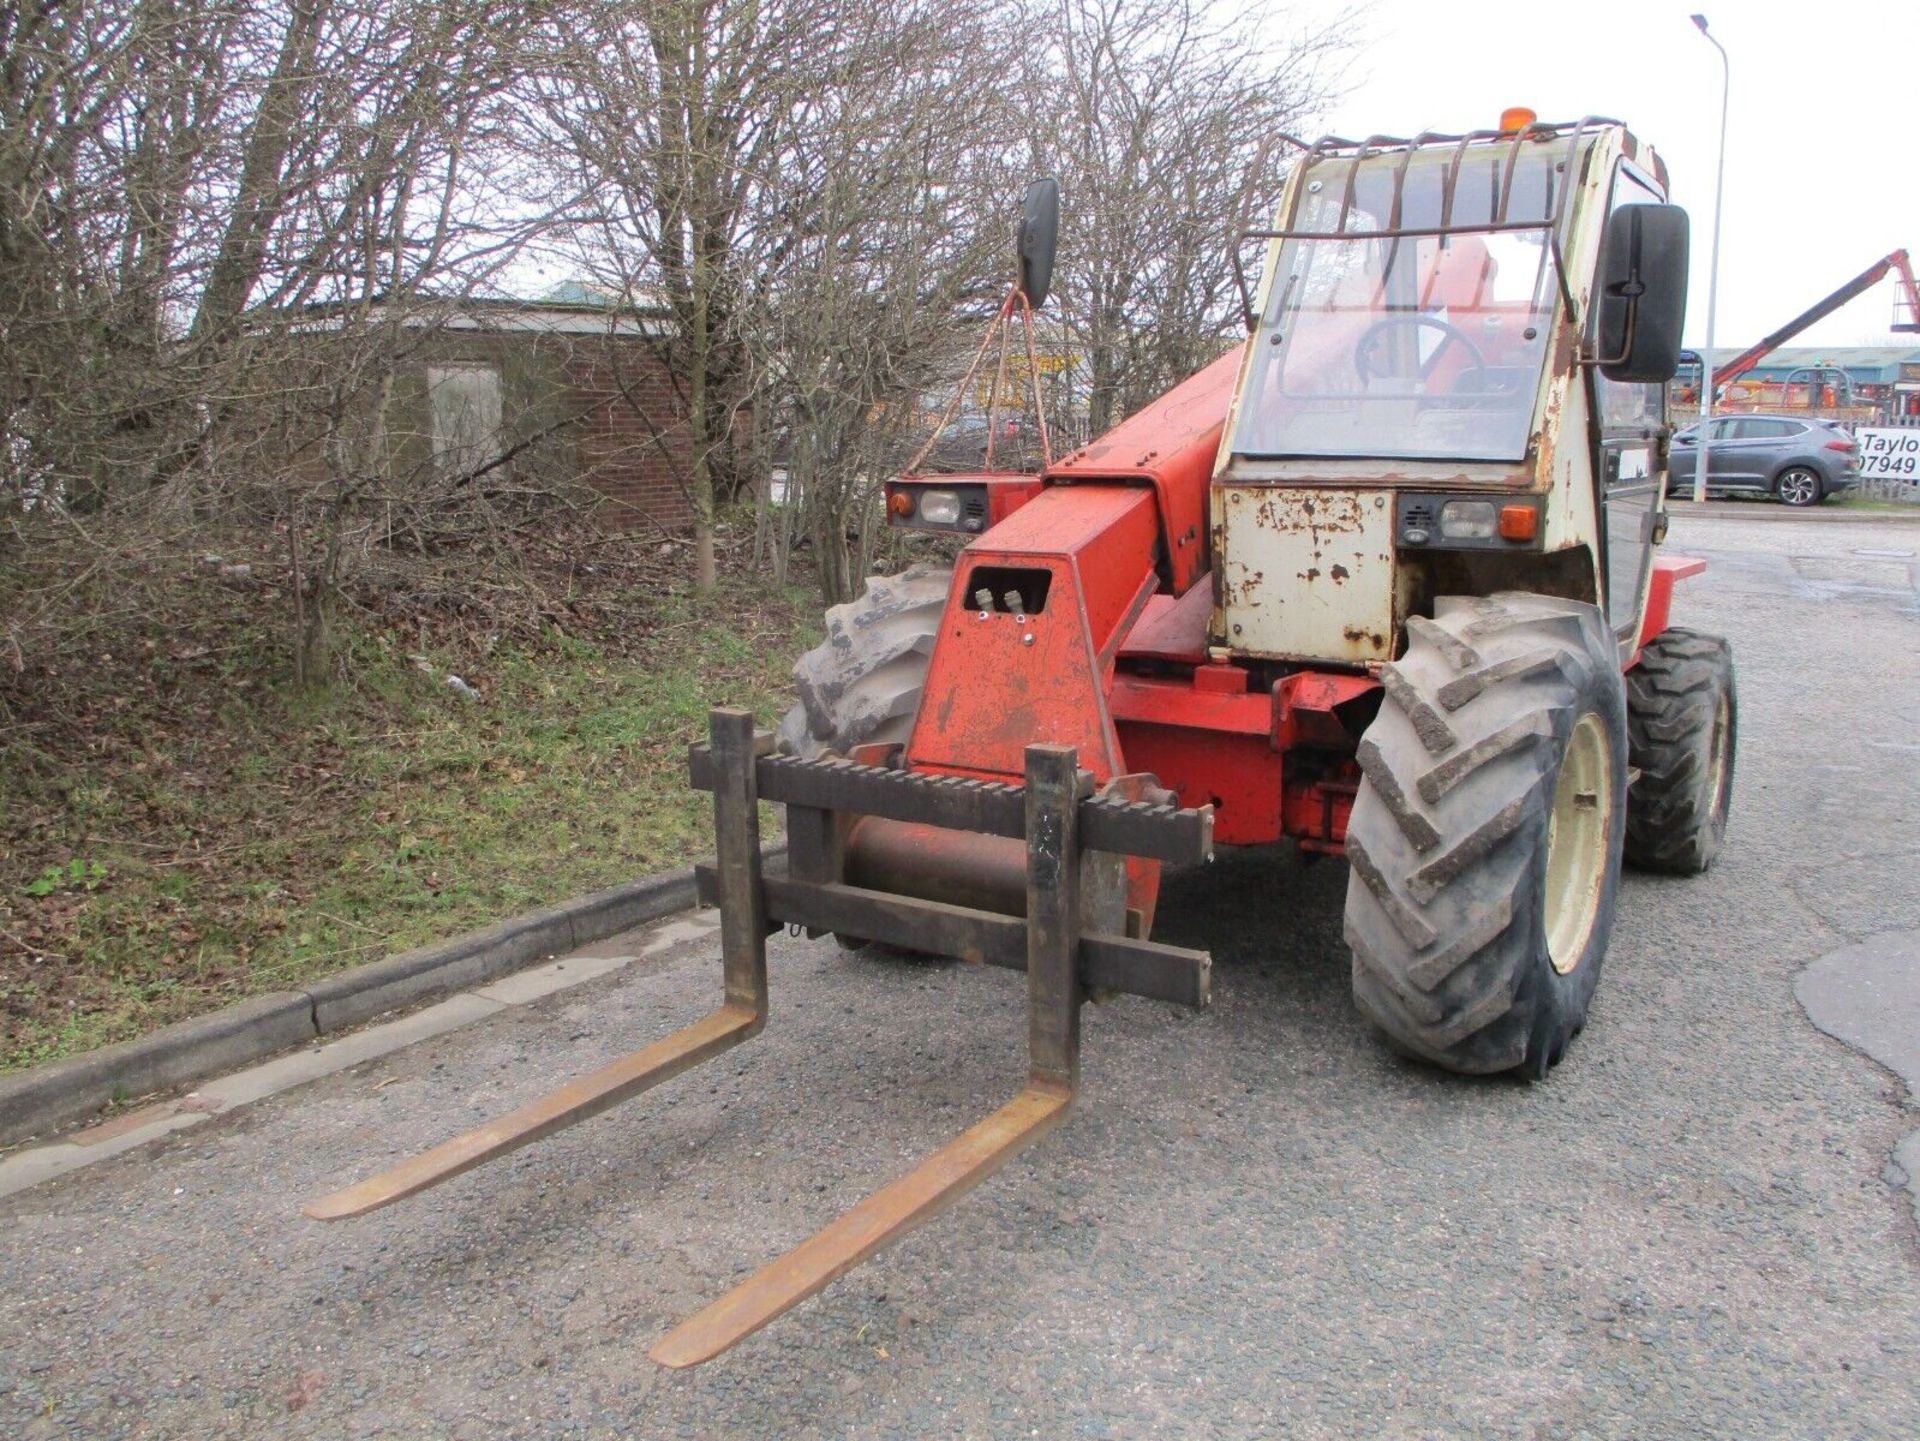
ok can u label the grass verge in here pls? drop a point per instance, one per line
(181, 828)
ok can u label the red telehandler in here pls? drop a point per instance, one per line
(1383, 581)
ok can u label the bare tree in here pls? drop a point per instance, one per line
(670, 116)
(1153, 114)
(801, 183)
(227, 226)
(172, 170)
(190, 192)
(889, 233)
(105, 113)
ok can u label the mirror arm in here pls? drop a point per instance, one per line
(1244, 233)
(1587, 357)
(1633, 325)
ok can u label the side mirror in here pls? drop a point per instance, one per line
(1037, 238)
(1641, 293)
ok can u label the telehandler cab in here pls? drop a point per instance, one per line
(1382, 581)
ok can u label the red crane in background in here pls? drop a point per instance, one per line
(1907, 304)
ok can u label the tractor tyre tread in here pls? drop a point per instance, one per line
(1677, 808)
(863, 683)
(1445, 913)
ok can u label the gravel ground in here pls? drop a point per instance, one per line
(1258, 1223)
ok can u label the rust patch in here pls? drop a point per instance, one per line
(1315, 514)
(1339, 572)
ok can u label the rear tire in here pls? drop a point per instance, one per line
(863, 683)
(1485, 842)
(1799, 485)
(1682, 734)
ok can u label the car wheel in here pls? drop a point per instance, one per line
(1798, 485)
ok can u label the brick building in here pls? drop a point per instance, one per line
(564, 392)
(569, 387)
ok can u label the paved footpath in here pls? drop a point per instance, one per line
(1258, 1222)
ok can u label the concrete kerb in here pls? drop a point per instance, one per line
(38, 1100)
(44, 1098)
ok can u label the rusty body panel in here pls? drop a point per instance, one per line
(1306, 574)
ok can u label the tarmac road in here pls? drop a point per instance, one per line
(1259, 1222)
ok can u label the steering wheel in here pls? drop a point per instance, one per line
(1449, 335)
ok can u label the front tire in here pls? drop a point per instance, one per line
(1682, 734)
(1799, 485)
(1485, 842)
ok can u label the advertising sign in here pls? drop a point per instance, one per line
(1889, 454)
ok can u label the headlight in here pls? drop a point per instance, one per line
(942, 507)
(1467, 520)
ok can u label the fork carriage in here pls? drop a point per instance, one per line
(1070, 940)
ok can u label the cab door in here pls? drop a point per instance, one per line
(1630, 465)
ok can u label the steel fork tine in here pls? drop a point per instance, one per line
(870, 1227)
(1053, 795)
(743, 952)
(588, 1096)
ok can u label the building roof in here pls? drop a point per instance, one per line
(504, 314)
(551, 317)
(1866, 364)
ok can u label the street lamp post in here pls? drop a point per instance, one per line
(1704, 450)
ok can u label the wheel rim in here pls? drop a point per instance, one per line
(1797, 487)
(1577, 832)
(1720, 754)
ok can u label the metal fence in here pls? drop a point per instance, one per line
(1901, 488)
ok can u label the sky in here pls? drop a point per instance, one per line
(1823, 119)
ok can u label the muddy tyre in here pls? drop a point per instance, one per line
(863, 682)
(1682, 732)
(1486, 839)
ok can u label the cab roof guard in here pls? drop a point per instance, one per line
(1335, 147)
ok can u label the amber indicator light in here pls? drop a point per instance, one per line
(1519, 522)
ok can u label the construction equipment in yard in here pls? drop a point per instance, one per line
(1906, 318)
(1382, 581)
